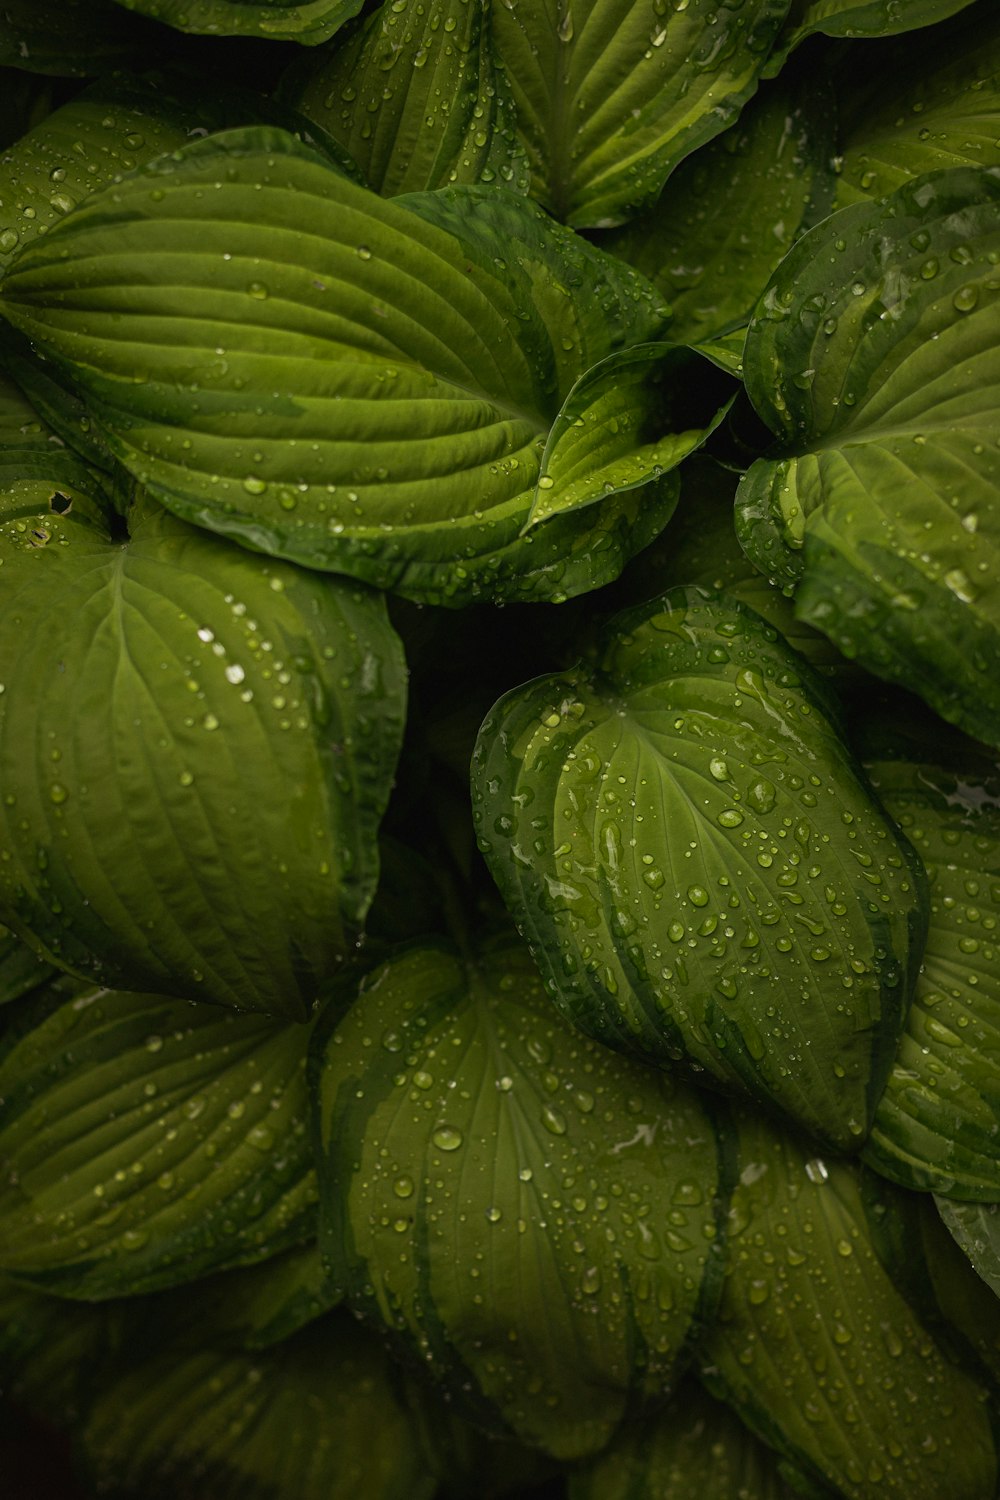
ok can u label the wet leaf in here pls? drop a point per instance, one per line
(819, 1352)
(531, 1216)
(976, 1229)
(416, 97)
(611, 96)
(874, 357)
(697, 865)
(369, 411)
(306, 21)
(212, 833)
(146, 1141)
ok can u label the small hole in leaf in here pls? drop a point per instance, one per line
(60, 504)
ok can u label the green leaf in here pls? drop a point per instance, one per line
(806, 1295)
(937, 1123)
(695, 1446)
(305, 21)
(617, 429)
(878, 366)
(689, 849)
(146, 1141)
(389, 369)
(976, 1229)
(532, 1216)
(211, 832)
(21, 969)
(731, 211)
(72, 38)
(610, 96)
(416, 97)
(316, 1418)
(857, 18)
(944, 111)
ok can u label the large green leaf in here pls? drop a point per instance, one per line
(938, 1122)
(700, 872)
(145, 1141)
(415, 96)
(730, 212)
(533, 1216)
(305, 21)
(315, 1418)
(875, 357)
(819, 1352)
(611, 96)
(976, 1229)
(945, 110)
(858, 18)
(73, 37)
(694, 1447)
(196, 747)
(388, 373)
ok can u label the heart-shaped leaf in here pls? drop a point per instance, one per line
(610, 96)
(415, 101)
(146, 1141)
(389, 370)
(807, 1294)
(533, 1216)
(875, 356)
(196, 747)
(700, 871)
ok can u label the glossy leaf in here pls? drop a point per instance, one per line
(370, 411)
(611, 96)
(146, 1141)
(976, 1229)
(878, 366)
(73, 38)
(415, 96)
(937, 1124)
(532, 1216)
(731, 211)
(694, 1447)
(210, 831)
(316, 1418)
(687, 846)
(807, 1296)
(306, 21)
(944, 111)
(858, 18)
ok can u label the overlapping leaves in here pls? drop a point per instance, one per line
(696, 865)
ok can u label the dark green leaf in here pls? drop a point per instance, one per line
(610, 96)
(687, 846)
(937, 1124)
(21, 969)
(976, 1228)
(212, 743)
(875, 357)
(533, 1216)
(819, 1352)
(51, 1349)
(146, 1141)
(25, 99)
(304, 21)
(371, 410)
(315, 1418)
(415, 96)
(730, 212)
(694, 1447)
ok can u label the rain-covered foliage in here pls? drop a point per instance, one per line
(499, 718)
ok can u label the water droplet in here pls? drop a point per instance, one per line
(447, 1139)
